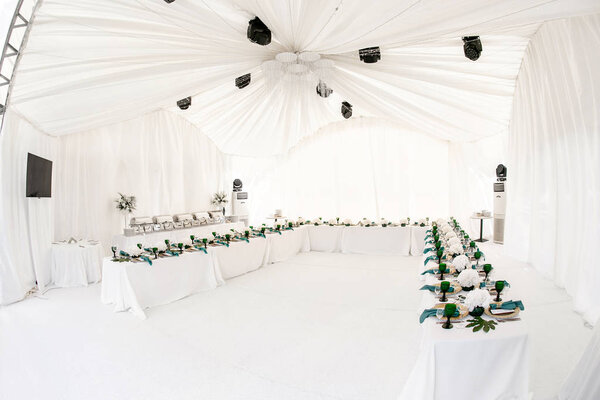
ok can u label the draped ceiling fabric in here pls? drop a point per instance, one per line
(91, 63)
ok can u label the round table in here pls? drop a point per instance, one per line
(77, 263)
(480, 218)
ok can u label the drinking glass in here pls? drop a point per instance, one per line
(442, 268)
(499, 285)
(444, 287)
(477, 256)
(449, 310)
(487, 268)
(114, 251)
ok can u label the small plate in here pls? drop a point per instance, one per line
(512, 314)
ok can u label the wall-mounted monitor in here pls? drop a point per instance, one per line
(39, 176)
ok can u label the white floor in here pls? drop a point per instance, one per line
(321, 326)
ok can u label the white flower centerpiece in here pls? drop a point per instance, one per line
(332, 222)
(219, 200)
(126, 204)
(454, 241)
(478, 300)
(347, 222)
(423, 222)
(364, 222)
(468, 279)
(403, 221)
(300, 221)
(384, 222)
(456, 249)
(461, 262)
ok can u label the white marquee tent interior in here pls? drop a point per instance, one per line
(94, 89)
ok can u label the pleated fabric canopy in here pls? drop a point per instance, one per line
(90, 63)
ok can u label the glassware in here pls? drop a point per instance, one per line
(449, 310)
(444, 287)
(487, 268)
(192, 237)
(477, 256)
(499, 285)
(442, 268)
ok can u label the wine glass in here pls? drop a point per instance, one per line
(192, 237)
(499, 287)
(114, 251)
(442, 268)
(155, 251)
(440, 253)
(205, 242)
(449, 310)
(477, 256)
(444, 287)
(487, 268)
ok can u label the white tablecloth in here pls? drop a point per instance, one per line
(461, 364)
(136, 286)
(76, 264)
(240, 257)
(376, 240)
(325, 238)
(129, 243)
(417, 239)
(288, 244)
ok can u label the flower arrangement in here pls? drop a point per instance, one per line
(384, 222)
(347, 222)
(404, 221)
(456, 249)
(332, 221)
(468, 279)
(478, 298)
(461, 262)
(219, 199)
(300, 221)
(450, 234)
(364, 222)
(126, 203)
(454, 241)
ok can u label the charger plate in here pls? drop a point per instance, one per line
(456, 286)
(513, 314)
(463, 311)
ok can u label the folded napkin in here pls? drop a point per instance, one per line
(431, 288)
(431, 312)
(482, 285)
(429, 271)
(509, 305)
(430, 258)
(146, 259)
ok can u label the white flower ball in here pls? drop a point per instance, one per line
(364, 222)
(403, 221)
(468, 277)
(384, 221)
(347, 221)
(450, 234)
(478, 298)
(300, 220)
(456, 249)
(422, 221)
(454, 241)
(332, 221)
(461, 262)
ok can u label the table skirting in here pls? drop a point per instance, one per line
(417, 239)
(76, 264)
(240, 257)
(288, 244)
(136, 286)
(325, 238)
(376, 240)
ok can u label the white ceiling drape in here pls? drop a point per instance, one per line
(91, 63)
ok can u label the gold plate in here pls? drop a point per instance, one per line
(463, 311)
(513, 314)
(456, 286)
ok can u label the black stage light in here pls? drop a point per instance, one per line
(169, 1)
(472, 47)
(501, 172)
(323, 90)
(369, 55)
(242, 81)
(237, 185)
(258, 32)
(346, 109)
(184, 104)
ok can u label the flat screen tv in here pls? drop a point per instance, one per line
(39, 176)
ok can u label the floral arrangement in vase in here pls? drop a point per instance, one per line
(219, 200)
(461, 262)
(126, 205)
(468, 279)
(478, 300)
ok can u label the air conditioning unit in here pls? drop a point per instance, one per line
(499, 211)
(239, 205)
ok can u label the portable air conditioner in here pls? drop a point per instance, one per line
(499, 211)
(239, 206)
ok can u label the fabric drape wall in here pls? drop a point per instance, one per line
(162, 159)
(553, 218)
(472, 173)
(358, 168)
(26, 223)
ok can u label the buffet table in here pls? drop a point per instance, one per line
(76, 264)
(288, 244)
(135, 286)
(376, 240)
(325, 238)
(128, 243)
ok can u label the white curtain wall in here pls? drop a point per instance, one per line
(166, 162)
(26, 224)
(357, 168)
(554, 172)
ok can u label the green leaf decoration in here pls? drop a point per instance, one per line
(479, 323)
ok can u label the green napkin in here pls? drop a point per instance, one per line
(427, 250)
(481, 285)
(430, 258)
(509, 305)
(431, 288)
(431, 312)
(146, 259)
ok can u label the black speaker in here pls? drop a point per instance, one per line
(258, 32)
(346, 109)
(242, 81)
(369, 55)
(472, 47)
(184, 104)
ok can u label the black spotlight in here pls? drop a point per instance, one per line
(242, 81)
(169, 1)
(501, 172)
(237, 185)
(472, 47)
(184, 104)
(323, 90)
(369, 55)
(346, 109)
(258, 32)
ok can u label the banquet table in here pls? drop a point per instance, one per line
(417, 239)
(376, 240)
(325, 238)
(240, 257)
(128, 243)
(76, 264)
(135, 286)
(288, 244)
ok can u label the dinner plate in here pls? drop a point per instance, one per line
(463, 311)
(508, 314)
